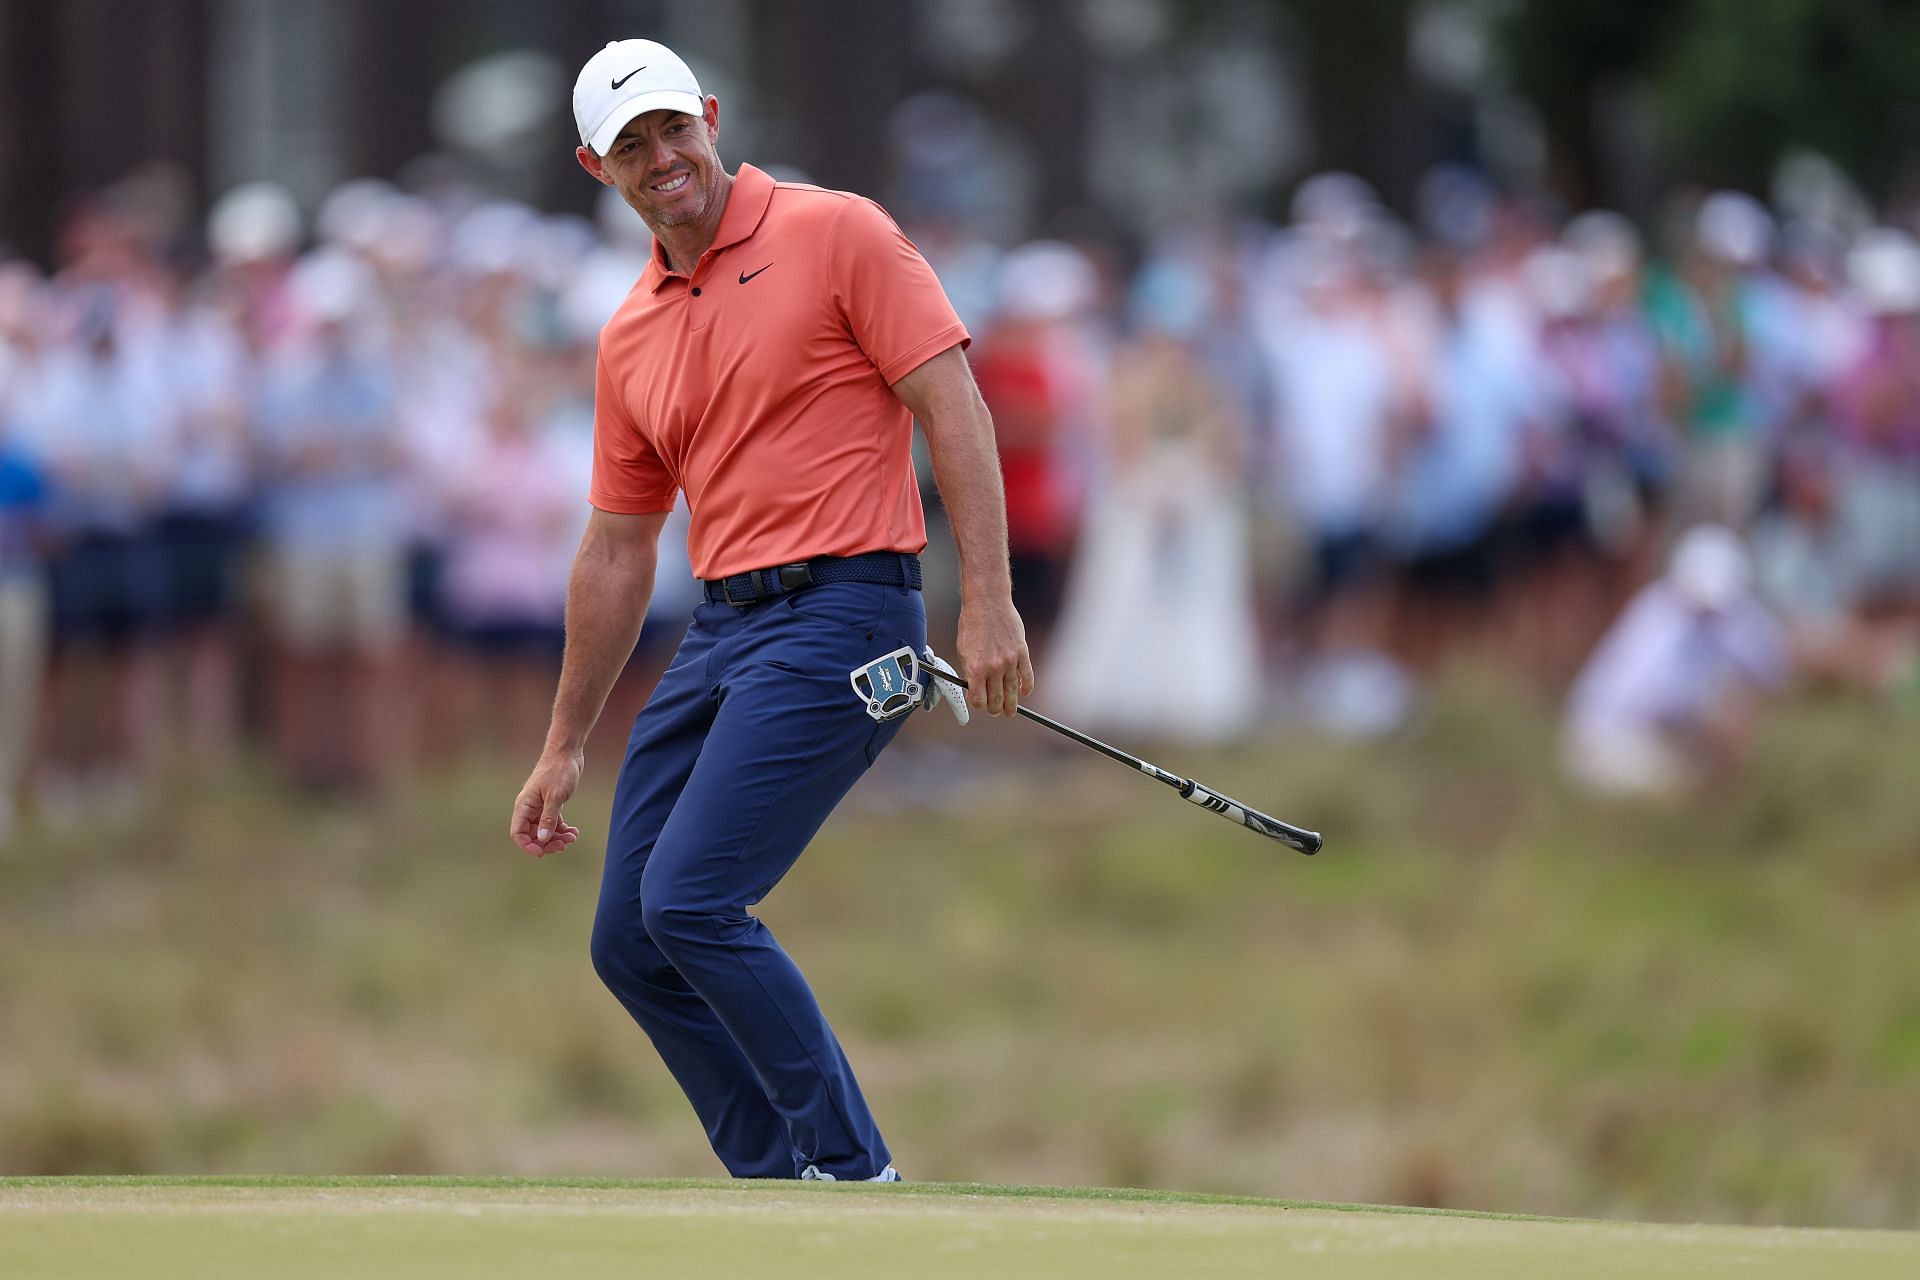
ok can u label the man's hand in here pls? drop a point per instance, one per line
(537, 826)
(992, 644)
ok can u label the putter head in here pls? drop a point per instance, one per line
(947, 691)
(890, 685)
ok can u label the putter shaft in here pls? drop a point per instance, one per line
(1299, 838)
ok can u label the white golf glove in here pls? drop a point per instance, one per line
(939, 690)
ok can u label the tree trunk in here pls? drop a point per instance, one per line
(837, 69)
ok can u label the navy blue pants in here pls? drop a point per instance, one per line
(751, 738)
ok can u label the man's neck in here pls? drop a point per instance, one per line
(683, 245)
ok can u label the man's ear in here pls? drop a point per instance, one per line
(594, 165)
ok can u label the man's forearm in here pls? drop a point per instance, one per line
(966, 467)
(607, 598)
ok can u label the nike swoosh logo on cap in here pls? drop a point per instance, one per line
(630, 75)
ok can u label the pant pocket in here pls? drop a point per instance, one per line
(855, 606)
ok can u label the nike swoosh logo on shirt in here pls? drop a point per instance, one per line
(630, 75)
(748, 275)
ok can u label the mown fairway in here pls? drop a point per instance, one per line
(158, 1229)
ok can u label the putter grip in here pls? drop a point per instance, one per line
(1307, 842)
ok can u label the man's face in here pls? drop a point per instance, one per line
(665, 164)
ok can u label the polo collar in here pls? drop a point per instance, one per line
(747, 202)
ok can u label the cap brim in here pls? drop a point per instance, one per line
(657, 100)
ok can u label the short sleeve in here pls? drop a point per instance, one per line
(890, 297)
(629, 476)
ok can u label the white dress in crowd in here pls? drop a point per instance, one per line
(1157, 636)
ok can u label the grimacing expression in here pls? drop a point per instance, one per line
(666, 165)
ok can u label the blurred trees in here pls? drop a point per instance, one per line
(1362, 111)
(1628, 95)
(90, 91)
(1729, 85)
(1362, 108)
(831, 83)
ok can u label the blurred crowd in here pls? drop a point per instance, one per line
(315, 487)
(315, 483)
(1279, 474)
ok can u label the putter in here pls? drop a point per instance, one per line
(1307, 842)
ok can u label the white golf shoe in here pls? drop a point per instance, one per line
(813, 1173)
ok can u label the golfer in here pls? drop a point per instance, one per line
(768, 364)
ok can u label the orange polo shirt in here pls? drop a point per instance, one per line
(761, 385)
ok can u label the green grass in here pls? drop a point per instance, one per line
(67, 1186)
(471, 1228)
(1488, 993)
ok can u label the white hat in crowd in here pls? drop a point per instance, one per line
(412, 235)
(332, 286)
(1709, 567)
(491, 238)
(1339, 203)
(354, 213)
(1047, 280)
(1734, 227)
(1606, 242)
(1884, 269)
(629, 78)
(1558, 281)
(253, 222)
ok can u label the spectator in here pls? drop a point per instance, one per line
(1667, 703)
(1039, 374)
(1607, 370)
(1714, 317)
(1158, 633)
(505, 584)
(203, 518)
(253, 231)
(101, 413)
(1575, 475)
(334, 530)
(23, 609)
(1814, 573)
(1829, 320)
(1342, 408)
(1877, 404)
(1462, 470)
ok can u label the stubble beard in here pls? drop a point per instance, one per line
(682, 215)
(675, 218)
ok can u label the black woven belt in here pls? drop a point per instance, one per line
(884, 568)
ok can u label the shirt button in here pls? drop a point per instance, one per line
(696, 291)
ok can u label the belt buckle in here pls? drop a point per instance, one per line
(753, 585)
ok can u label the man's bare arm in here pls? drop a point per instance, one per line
(607, 597)
(966, 465)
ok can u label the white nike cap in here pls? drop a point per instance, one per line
(626, 79)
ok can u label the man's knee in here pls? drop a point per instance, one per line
(669, 921)
(622, 951)
(677, 922)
